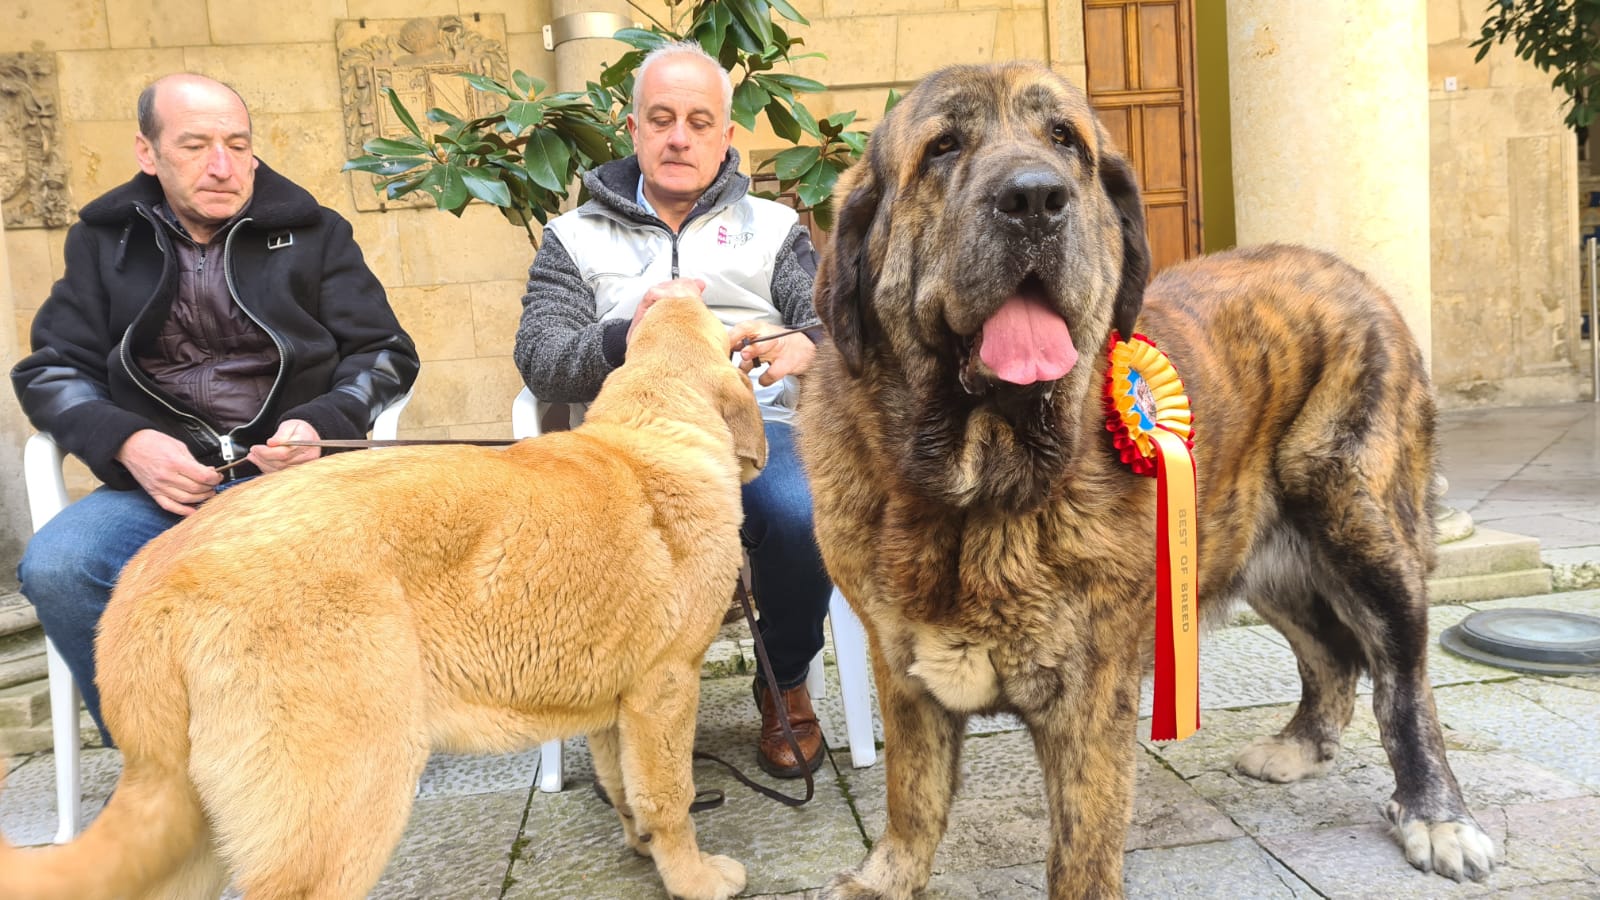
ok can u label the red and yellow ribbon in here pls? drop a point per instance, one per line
(1148, 414)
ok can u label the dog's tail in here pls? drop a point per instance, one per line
(151, 825)
(154, 823)
(147, 830)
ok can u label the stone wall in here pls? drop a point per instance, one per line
(1505, 224)
(456, 285)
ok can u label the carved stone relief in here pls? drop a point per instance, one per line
(421, 59)
(33, 176)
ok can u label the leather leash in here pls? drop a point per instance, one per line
(360, 443)
(752, 339)
(782, 709)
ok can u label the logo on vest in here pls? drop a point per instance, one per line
(725, 238)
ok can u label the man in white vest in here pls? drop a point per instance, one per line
(673, 219)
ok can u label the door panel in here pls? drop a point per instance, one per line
(1141, 83)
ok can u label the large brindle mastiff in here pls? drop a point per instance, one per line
(971, 506)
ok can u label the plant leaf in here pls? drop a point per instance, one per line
(748, 98)
(546, 158)
(529, 86)
(816, 184)
(486, 187)
(787, 11)
(524, 114)
(404, 114)
(640, 38)
(384, 167)
(381, 146)
(808, 122)
(793, 162)
(488, 85)
(798, 83)
(783, 123)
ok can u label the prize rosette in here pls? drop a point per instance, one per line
(1143, 394)
(1151, 425)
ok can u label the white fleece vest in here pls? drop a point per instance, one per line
(732, 249)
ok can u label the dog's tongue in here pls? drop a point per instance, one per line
(1026, 341)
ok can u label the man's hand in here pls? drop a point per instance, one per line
(167, 471)
(787, 355)
(270, 457)
(678, 287)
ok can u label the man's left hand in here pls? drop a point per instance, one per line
(270, 457)
(787, 355)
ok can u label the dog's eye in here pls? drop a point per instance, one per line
(945, 144)
(1061, 135)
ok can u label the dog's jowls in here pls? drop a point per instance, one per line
(277, 668)
(971, 506)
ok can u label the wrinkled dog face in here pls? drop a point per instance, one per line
(986, 246)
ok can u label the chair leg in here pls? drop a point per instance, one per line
(550, 780)
(64, 701)
(816, 684)
(850, 655)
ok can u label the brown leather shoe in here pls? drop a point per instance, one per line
(773, 753)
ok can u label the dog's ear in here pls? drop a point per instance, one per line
(844, 280)
(736, 403)
(1117, 179)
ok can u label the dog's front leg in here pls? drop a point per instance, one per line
(921, 756)
(1085, 743)
(655, 731)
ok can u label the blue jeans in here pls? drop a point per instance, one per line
(788, 580)
(71, 565)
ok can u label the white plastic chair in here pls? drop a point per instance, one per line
(849, 646)
(47, 495)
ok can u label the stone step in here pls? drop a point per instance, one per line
(18, 618)
(25, 705)
(17, 741)
(23, 668)
(1492, 586)
(1485, 552)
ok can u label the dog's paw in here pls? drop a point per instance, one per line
(715, 878)
(1455, 849)
(1283, 760)
(849, 886)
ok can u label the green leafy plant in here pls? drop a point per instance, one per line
(1558, 36)
(524, 158)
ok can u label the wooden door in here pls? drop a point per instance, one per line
(1141, 83)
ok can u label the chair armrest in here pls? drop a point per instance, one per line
(526, 411)
(46, 483)
(387, 424)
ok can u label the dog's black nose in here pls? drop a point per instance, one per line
(1032, 199)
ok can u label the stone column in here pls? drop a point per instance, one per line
(581, 32)
(15, 524)
(1330, 136)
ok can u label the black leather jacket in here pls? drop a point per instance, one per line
(291, 265)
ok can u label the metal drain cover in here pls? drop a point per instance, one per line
(1543, 641)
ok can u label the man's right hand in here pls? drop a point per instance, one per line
(678, 287)
(167, 471)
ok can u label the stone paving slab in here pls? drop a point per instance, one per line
(456, 847)
(28, 805)
(574, 844)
